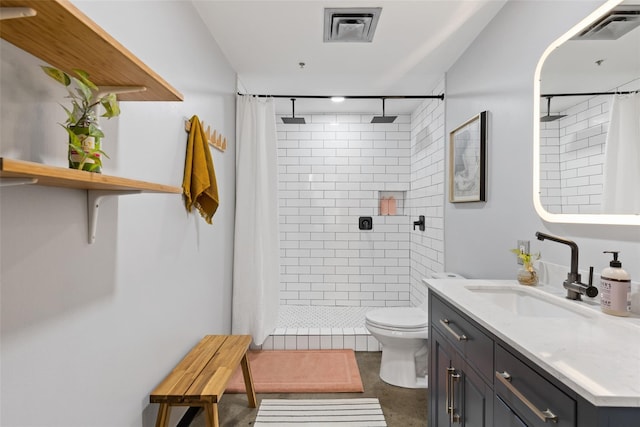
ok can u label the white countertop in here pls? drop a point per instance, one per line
(598, 355)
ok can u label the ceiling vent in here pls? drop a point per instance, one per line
(350, 25)
(613, 25)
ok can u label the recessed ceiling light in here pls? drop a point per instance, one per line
(337, 98)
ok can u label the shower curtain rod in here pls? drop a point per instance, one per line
(622, 92)
(440, 97)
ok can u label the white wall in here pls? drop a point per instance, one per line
(496, 74)
(89, 330)
(331, 171)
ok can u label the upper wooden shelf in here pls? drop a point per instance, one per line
(71, 178)
(64, 37)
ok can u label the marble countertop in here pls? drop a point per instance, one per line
(595, 354)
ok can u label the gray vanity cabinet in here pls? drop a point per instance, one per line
(459, 394)
(476, 379)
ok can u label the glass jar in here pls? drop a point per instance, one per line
(527, 275)
(85, 148)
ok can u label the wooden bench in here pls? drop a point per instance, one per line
(201, 377)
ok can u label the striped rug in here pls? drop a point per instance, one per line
(320, 412)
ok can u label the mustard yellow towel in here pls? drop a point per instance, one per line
(199, 184)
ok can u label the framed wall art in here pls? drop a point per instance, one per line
(467, 160)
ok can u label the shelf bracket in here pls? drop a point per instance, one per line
(94, 198)
(103, 90)
(16, 12)
(11, 182)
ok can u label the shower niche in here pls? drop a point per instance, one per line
(391, 203)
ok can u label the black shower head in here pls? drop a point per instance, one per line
(549, 117)
(383, 118)
(293, 120)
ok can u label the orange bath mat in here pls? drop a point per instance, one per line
(300, 371)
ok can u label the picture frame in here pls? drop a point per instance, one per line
(467, 160)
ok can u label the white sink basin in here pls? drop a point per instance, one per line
(529, 302)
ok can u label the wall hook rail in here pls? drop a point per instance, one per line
(214, 139)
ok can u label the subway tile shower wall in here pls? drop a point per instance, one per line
(427, 194)
(572, 158)
(331, 171)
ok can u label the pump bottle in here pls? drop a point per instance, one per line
(615, 288)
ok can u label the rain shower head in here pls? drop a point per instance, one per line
(293, 120)
(549, 117)
(383, 118)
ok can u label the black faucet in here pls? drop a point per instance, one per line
(574, 287)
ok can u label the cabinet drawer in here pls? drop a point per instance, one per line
(474, 345)
(530, 396)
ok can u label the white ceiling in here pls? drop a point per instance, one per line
(415, 42)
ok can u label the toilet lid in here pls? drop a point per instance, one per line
(398, 317)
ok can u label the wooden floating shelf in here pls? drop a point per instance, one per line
(64, 37)
(54, 176)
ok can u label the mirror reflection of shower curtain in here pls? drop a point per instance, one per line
(256, 261)
(621, 192)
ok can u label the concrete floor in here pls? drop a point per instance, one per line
(402, 407)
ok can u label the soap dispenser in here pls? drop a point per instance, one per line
(615, 288)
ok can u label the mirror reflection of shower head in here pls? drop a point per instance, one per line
(383, 118)
(549, 117)
(293, 120)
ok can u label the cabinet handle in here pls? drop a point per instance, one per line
(546, 415)
(448, 389)
(454, 418)
(445, 324)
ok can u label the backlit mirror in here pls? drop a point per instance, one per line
(587, 106)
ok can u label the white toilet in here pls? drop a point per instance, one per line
(403, 333)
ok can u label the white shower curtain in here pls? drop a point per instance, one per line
(256, 265)
(621, 193)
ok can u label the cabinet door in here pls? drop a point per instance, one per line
(455, 385)
(476, 402)
(504, 416)
(439, 379)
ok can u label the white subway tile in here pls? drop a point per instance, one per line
(337, 342)
(325, 342)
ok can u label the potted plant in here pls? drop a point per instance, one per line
(85, 135)
(527, 275)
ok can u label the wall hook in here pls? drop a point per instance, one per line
(419, 223)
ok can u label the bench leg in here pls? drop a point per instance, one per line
(163, 415)
(248, 381)
(211, 414)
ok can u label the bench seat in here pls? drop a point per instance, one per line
(201, 377)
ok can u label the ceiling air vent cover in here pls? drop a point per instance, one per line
(613, 25)
(349, 25)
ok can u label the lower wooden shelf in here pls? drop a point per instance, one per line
(98, 186)
(54, 176)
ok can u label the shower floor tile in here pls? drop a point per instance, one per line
(321, 327)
